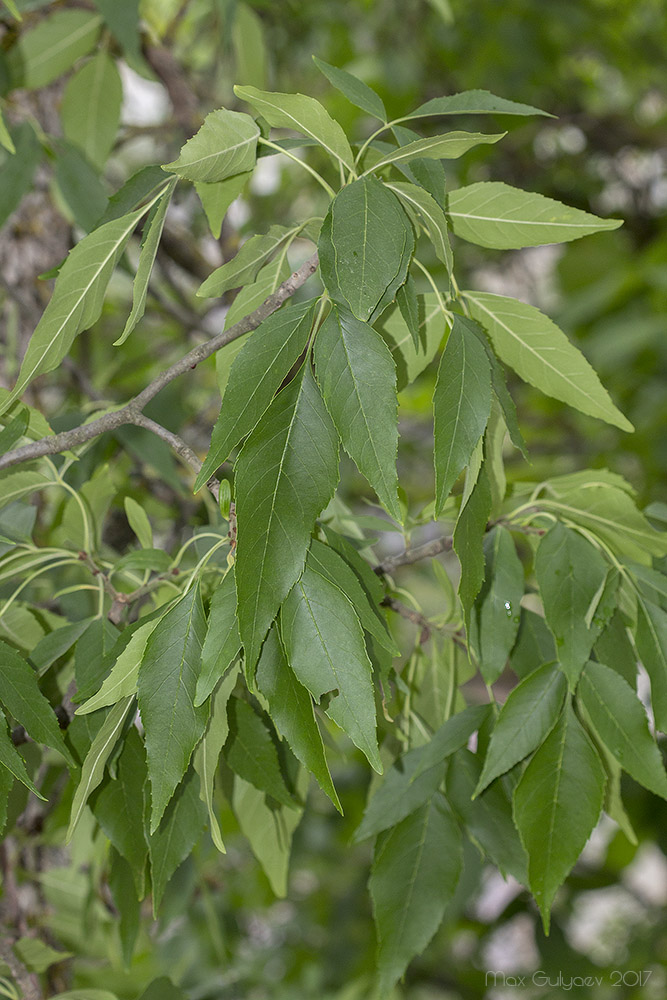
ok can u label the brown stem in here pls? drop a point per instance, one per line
(127, 414)
(426, 551)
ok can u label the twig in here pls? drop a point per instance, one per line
(126, 414)
(425, 624)
(179, 446)
(426, 551)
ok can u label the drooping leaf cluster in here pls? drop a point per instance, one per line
(236, 676)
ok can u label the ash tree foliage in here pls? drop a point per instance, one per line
(231, 667)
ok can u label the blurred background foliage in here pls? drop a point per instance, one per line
(598, 65)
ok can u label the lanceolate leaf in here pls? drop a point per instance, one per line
(95, 763)
(177, 834)
(285, 476)
(411, 361)
(651, 639)
(328, 563)
(569, 572)
(358, 381)
(149, 246)
(245, 266)
(11, 760)
(291, 710)
(223, 641)
(77, 299)
(620, 721)
(303, 114)
(556, 806)
(226, 144)
(439, 147)
(417, 774)
(469, 540)
(251, 751)
(256, 374)
(118, 806)
(325, 648)
(17, 172)
(487, 818)
(167, 682)
(357, 92)
(121, 682)
(495, 617)
(50, 48)
(493, 214)
(365, 246)
(474, 102)
(408, 303)
(432, 216)
(207, 754)
(415, 872)
(90, 109)
(461, 404)
(20, 694)
(538, 351)
(525, 720)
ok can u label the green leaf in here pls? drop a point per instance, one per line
(437, 147)
(417, 774)
(569, 571)
(303, 114)
(431, 215)
(326, 561)
(620, 721)
(121, 682)
(137, 518)
(534, 645)
(249, 46)
(524, 722)
(411, 361)
(77, 300)
(150, 242)
(496, 614)
(613, 648)
(44, 52)
(38, 956)
(326, 650)
(365, 246)
(269, 830)
(251, 752)
(144, 559)
(56, 644)
(178, 832)
(166, 686)
(94, 654)
(540, 353)
(291, 710)
(493, 214)
(358, 380)
(207, 754)
(17, 171)
(651, 640)
(124, 894)
(80, 188)
(487, 819)
(226, 144)
(427, 174)
(258, 371)
(90, 109)
(13, 9)
(356, 91)
(416, 869)
(21, 697)
(12, 760)
(142, 186)
(285, 475)
(122, 20)
(118, 806)
(245, 266)
(223, 641)
(100, 750)
(474, 102)
(461, 405)
(217, 197)
(557, 804)
(469, 540)
(162, 988)
(408, 304)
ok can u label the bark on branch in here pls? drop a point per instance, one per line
(132, 411)
(426, 551)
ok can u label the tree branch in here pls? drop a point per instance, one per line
(127, 414)
(426, 551)
(179, 446)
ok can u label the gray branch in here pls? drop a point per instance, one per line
(128, 414)
(426, 551)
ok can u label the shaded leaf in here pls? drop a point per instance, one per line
(251, 753)
(44, 52)
(245, 266)
(223, 641)
(207, 754)
(432, 216)
(469, 540)
(178, 832)
(651, 640)
(495, 618)
(20, 695)
(90, 109)
(12, 762)
(17, 171)
(218, 196)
